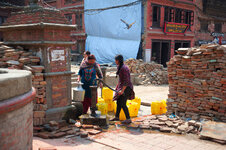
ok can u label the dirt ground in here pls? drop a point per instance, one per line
(152, 92)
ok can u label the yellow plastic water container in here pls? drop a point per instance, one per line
(133, 109)
(103, 108)
(115, 106)
(107, 100)
(138, 100)
(107, 93)
(158, 107)
(100, 100)
(164, 106)
(111, 106)
(122, 115)
(155, 107)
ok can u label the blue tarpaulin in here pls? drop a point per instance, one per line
(107, 32)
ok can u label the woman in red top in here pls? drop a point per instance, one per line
(124, 89)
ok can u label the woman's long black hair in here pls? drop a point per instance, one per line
(121, 62)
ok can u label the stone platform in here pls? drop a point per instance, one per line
(89, 120)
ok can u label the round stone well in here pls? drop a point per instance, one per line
(16, 109)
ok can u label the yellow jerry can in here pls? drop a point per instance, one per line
(158, 107)
(115, 106)
(103, 108)
(133, 109)
(108, 100)
(100, 100)
(107, 93)
(164, 106)
(138, 100)
(111, 106)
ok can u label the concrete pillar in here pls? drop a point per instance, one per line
(16, 109)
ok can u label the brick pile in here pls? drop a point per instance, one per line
(147, 73)
(62, 129)
(16, 58)
(19, 58)
(168, 124)
(40, 105)
(197, 83)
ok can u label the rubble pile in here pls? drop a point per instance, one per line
(61, 129)
(147, 73)
(197, 83)
(168, 124)
(21, 59)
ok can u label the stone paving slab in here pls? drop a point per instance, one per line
(155, 141)
(129, 140)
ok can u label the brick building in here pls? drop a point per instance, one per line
(210, 21)
(168, 26)
(74, 17)
(165, 22)
(5, 10)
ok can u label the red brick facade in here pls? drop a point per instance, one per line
(74, 18)
(205, 25)
(5, 13)
(158, 45)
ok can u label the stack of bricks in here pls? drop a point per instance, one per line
(40, 105)
(16, 58)
(21, 59)
(197, 83)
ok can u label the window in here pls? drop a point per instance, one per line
(218, 27)
(2, 19)
(69, 18)
(203, 26)
(179, 15)
(169, 14)
(156, 16)
(79, 21)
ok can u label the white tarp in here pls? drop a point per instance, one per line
(108, 34)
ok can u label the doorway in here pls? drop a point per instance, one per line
(160, 51)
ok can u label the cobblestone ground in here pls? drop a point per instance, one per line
(129, 140)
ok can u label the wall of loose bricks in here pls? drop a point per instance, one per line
(197, 83)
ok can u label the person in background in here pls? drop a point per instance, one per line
(88, 72)
(85, 56)
(124, 89)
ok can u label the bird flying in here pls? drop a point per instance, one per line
(128, 26)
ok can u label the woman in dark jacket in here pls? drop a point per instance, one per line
(124, 89)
